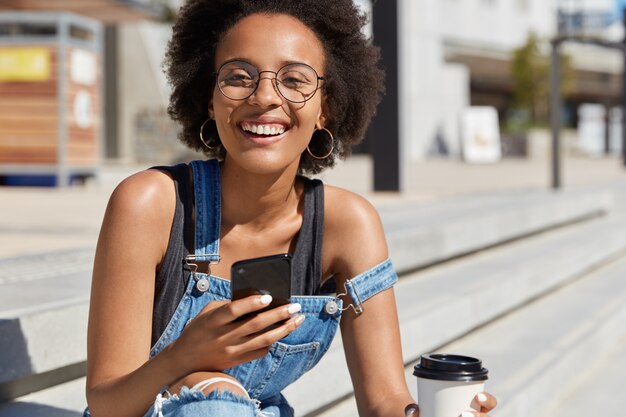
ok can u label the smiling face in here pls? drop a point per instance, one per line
(265, 133)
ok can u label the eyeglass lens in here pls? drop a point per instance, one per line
(238, 80)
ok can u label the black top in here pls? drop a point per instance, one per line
(173, 275)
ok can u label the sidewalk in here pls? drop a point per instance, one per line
(40, 220)
(435, 179)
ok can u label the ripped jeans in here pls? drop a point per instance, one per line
(194, 402)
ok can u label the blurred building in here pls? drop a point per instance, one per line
(452, 54)
(109, 11)
(58, 79)
(456, 53)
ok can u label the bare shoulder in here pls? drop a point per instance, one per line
(142, 207)
(353, 233)
(143, 190)
(344, 208)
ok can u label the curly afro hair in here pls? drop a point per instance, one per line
(353, 89)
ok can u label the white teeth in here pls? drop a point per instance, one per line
(263, 129)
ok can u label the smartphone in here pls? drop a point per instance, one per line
(265, 275)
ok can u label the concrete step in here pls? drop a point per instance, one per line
(33, 285)
(534, 353)
(478, 288)
(64, 400)
(596, 392)
(43, 299)
(43, 313)
(421, 234)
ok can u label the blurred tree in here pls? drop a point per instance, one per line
(530, 69)
(168, 8)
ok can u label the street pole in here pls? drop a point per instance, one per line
(555, 112)
(385, 126)
(624, 92)
(607, 127)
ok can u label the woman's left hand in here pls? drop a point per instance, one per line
(484, 403)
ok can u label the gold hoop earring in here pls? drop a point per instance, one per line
(210, 148)
(332, 145)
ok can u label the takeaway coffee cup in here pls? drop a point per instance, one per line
(447, 384)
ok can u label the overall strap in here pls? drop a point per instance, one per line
(369, 283)
(207, 191)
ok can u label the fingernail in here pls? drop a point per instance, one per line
(294, 308)
(266, 299)
(467, 414)
(300, 319)
(481, 397)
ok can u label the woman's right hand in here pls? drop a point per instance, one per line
(215, 340)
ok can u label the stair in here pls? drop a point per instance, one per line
(479, 289)
(598, 391)
(542, 356)
(484, 259)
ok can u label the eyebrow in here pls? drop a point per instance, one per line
(247, 61)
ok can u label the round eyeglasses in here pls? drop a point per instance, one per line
(297, 83)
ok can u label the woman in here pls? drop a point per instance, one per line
(271, 89)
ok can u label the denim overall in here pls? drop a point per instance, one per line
(288, 359)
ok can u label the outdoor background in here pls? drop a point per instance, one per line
(497, 257)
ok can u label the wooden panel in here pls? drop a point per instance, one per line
(81, 136)
(29, 119)
(82, 155)
(103, 10)
(23, 123)
(47, 88)
(14, 111)
(42, 153)
(28, 140)
(28, 116)
(26, 131)
(25, 154)
(24, 101)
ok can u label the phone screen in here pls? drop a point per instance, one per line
(265, 275)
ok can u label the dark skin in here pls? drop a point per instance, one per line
(261, 215)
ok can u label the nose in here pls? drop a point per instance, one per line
(266, 93)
